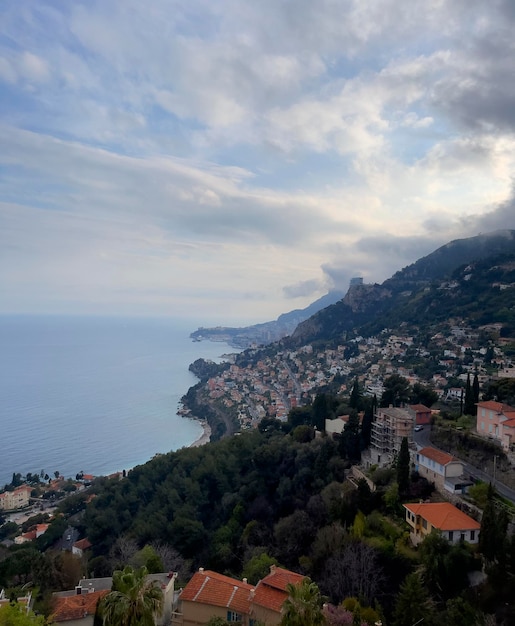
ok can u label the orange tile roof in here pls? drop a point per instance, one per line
(268, 597)
(279, 578)
(271, 591)
(498, 407)
(436, 455)
(443, 515)
(77, 606)
(419, 408)
(82, 544)
(208, 587)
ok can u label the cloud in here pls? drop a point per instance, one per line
(206, 155)
(303, 288)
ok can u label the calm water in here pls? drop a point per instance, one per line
(93, 394)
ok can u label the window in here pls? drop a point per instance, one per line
(482, 426)
(483, 412)
(472, 535)
(489, 428)
(451, 535)
(234, 617)
(424, 524)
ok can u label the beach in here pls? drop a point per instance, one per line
(205, 437)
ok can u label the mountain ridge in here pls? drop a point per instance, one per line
(363, 304)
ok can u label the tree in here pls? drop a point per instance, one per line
(366, 425)
(396, 391)
(492, 535)
(355, 396)
(413, 604)
(403, 467)
(350, 438)
(17, 615)
(475, 389)
(258, 567)
(303, 606)
(320, 411)
(421, 394)
(459, 612)
(133, 601)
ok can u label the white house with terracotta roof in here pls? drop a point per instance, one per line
(496, 420)
(80, 546)
(444, 470)
(454, 525)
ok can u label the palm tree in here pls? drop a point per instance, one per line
(133, 600)
(303, 606)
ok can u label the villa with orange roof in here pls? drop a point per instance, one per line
(209, 594)
(454, 525)
(270, 594)
(444, 470)
(78, 609)
(496, 420)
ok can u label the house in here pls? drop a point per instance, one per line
(337, 425)
(77, 607)
(420, 413)
(389, 428)
(270, 594)
(33, 533)
(496, 420)
(454, 525)
(17, 499)
(444, 470)
(209, 594)
(79, 547)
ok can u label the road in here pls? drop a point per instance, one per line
(422, 438)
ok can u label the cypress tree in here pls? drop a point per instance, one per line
(355, 396)
(366, 426)
(469, 407)
(403, 467)
(475, 389)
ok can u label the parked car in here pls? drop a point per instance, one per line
(418, 428)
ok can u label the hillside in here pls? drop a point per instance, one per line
(417, 293)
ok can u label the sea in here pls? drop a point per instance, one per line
(94, 394)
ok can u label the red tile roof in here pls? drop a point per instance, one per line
(498, 407)
(443, 516)
(208, 587)
(436, 455)
(76, 607)
(279, 578)
(82, 544)
(419, 408)
(271, 591)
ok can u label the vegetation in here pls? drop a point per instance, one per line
(133, 601)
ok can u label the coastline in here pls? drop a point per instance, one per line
(205, 437)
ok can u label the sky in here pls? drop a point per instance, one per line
(232, 160)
